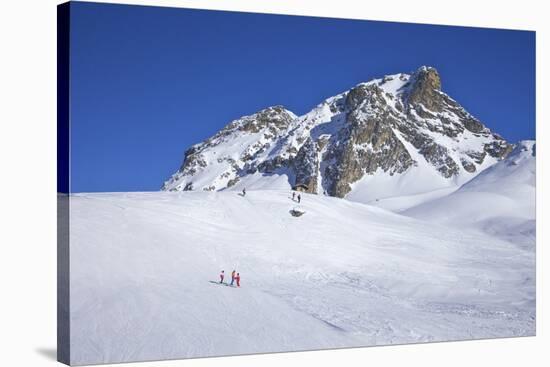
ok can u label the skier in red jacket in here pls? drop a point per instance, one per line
(232, 277)
(238, 279)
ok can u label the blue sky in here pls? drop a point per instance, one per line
(148, 82)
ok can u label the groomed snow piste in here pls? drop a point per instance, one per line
(343, 274)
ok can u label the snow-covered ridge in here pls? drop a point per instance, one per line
(396, 135)
(500, 201)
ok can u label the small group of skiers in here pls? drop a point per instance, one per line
(294, 197)
(235, 277)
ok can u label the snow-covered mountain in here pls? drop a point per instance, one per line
(500, 201)
(398, 135)
(456, 262)
(344, 274)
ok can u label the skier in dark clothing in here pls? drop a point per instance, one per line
(244, 191)
(299, 198)
(293, 195)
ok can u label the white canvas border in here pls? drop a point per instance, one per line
(28, 201)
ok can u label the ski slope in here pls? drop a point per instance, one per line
(500, 201)
(343, 274)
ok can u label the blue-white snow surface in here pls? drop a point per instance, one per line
(343, 274)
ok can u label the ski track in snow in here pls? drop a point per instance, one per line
(343, 274)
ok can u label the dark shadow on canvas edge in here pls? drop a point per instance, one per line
(49, 353)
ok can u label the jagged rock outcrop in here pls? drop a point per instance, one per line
(306, 166)
(387, 127)
(425, 87)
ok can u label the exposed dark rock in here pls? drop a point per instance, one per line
(233, 182)
(498, 149)
(439, 156)
(478, 157)
(424, 89)
(364, 131)
(468, 166)
(306, 166)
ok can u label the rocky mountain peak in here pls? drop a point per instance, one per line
(274, 114)
(427, 76)
(379, 132)
(365, 95)
(425, 87)
(276, 117)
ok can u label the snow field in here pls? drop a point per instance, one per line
(343, 274)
